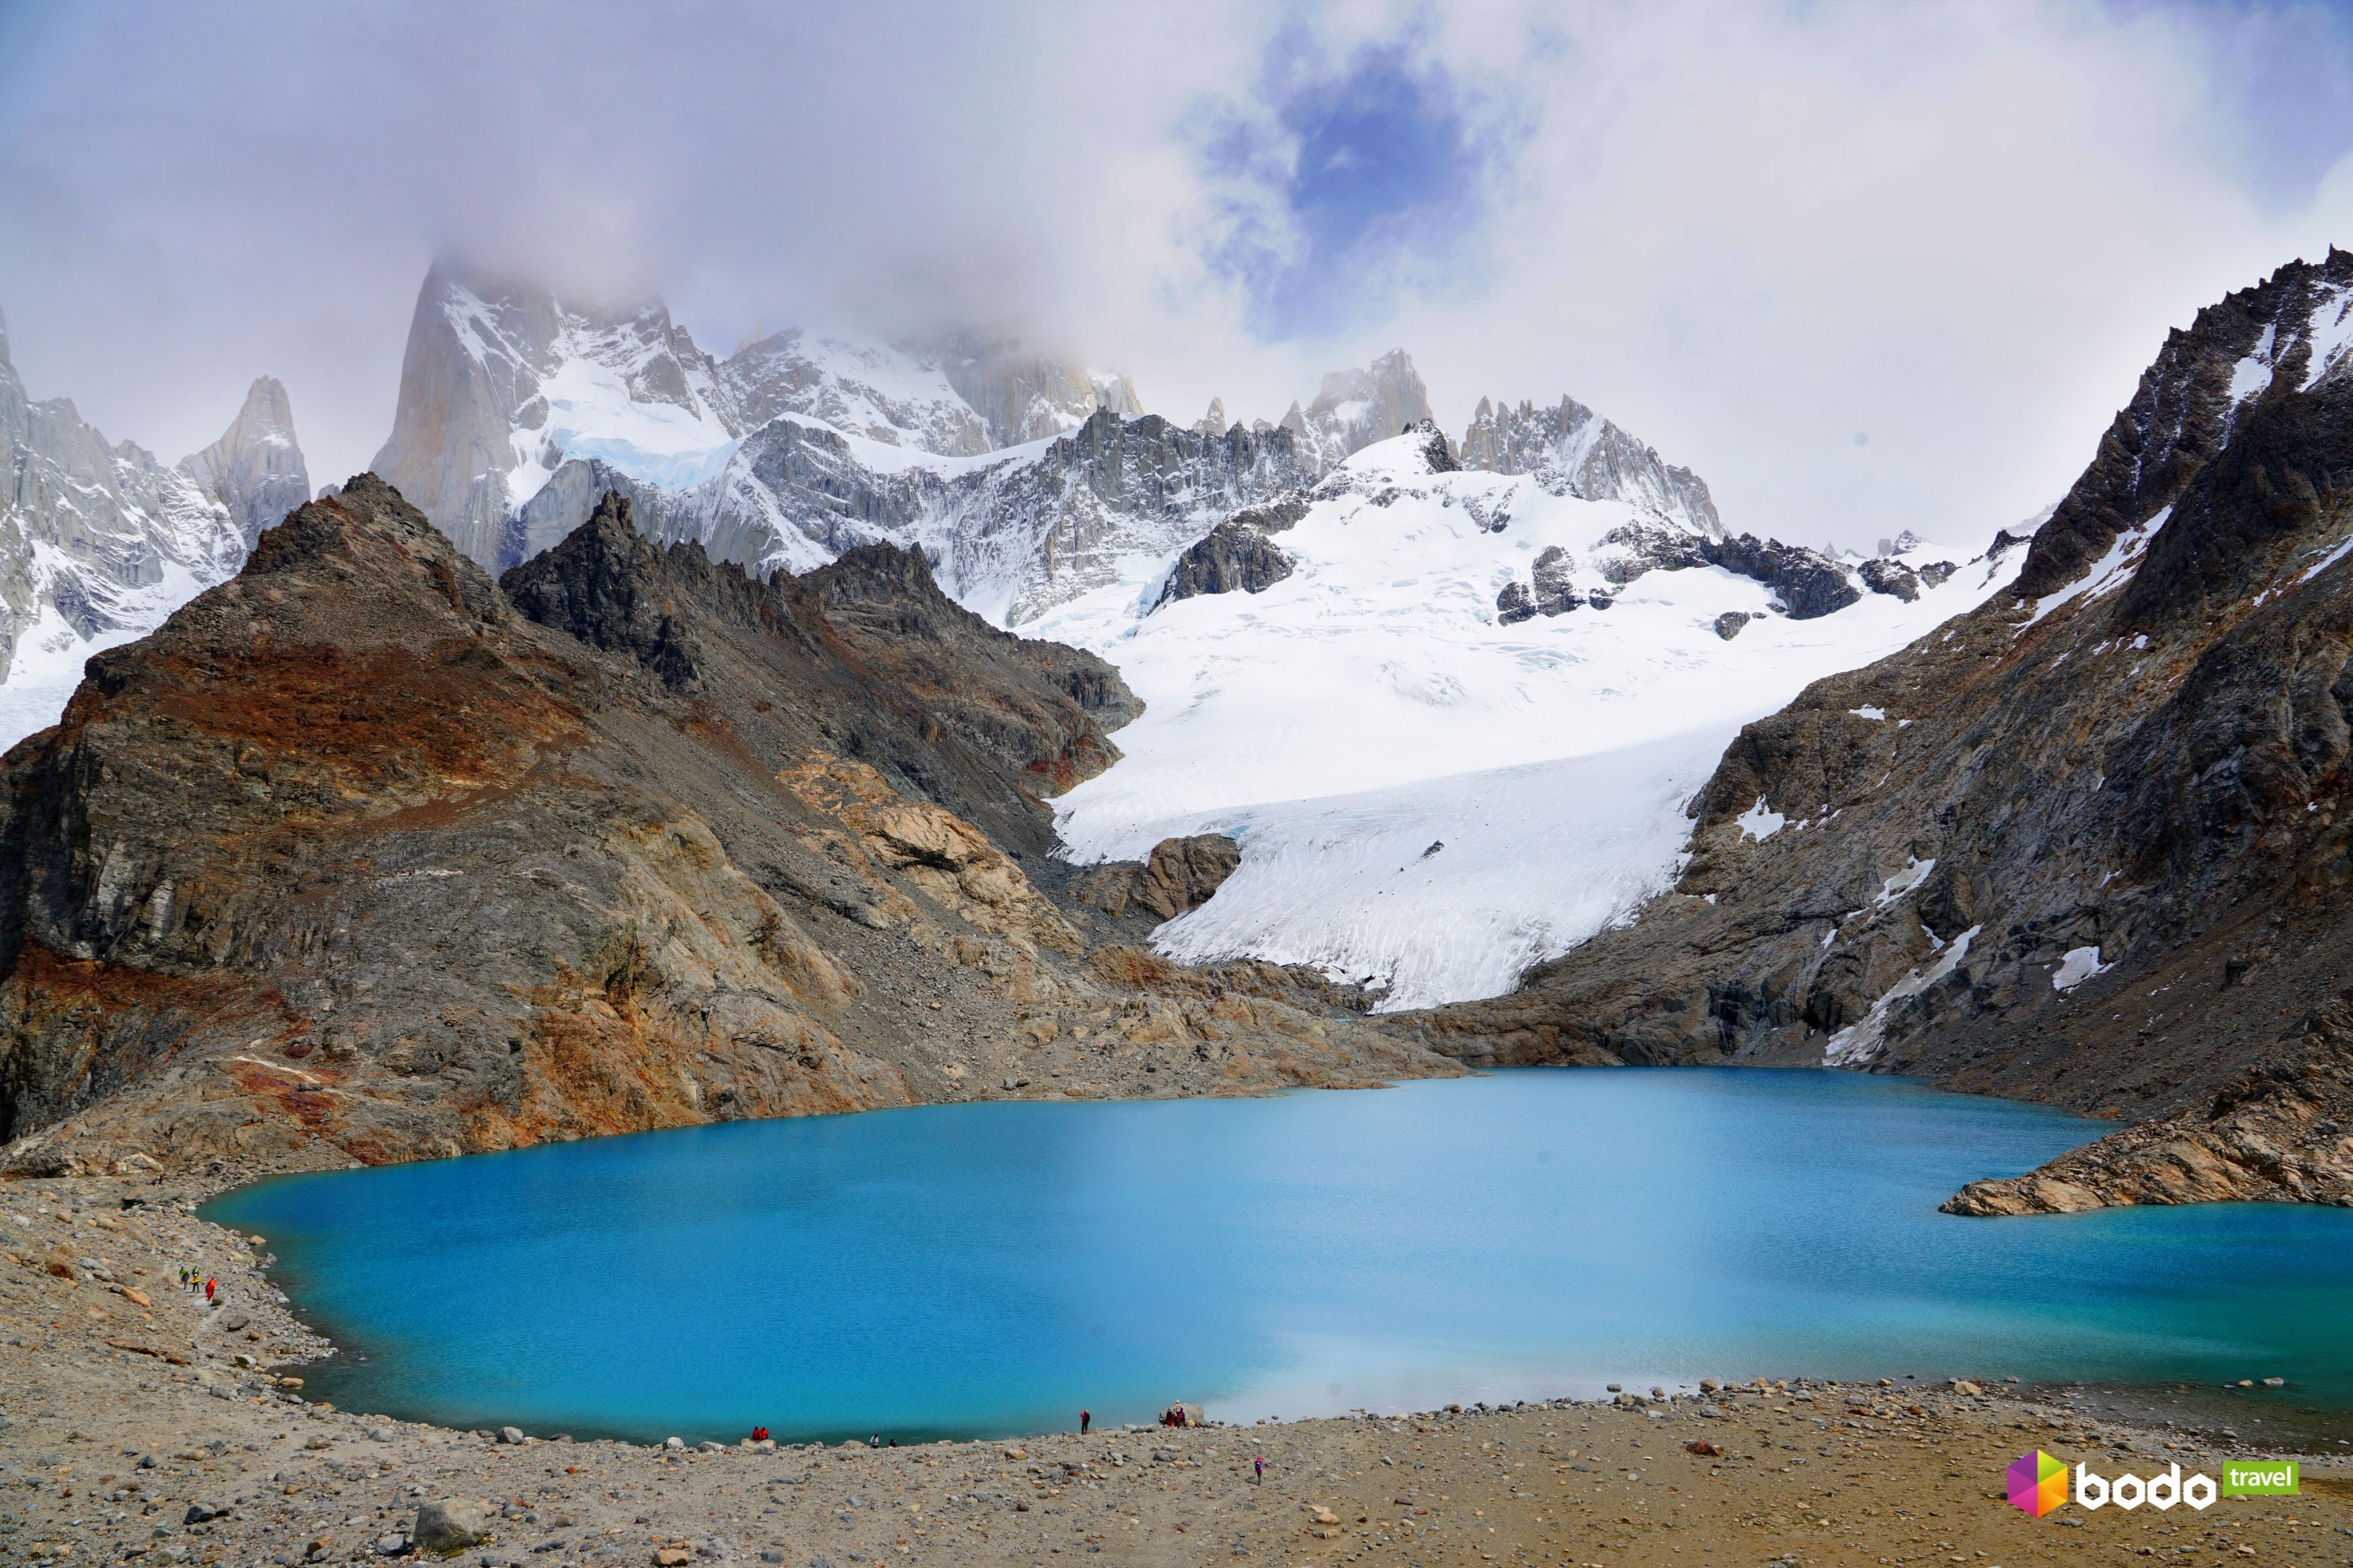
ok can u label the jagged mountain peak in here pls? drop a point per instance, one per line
(505, 383)
(100, 540)
(2251, 349)
(1353, 408)
(255, 471)
(1569, 449)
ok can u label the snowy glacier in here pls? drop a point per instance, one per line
(1370, 705)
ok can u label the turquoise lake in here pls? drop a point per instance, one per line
(982, 1269)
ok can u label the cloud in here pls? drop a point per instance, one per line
(1747, 233)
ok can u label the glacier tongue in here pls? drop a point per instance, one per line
(1371, 704)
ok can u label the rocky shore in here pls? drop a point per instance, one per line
(138, 1425)
(2277, 1133)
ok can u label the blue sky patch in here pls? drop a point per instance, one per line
(1345, 184)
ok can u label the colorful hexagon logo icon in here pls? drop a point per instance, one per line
(2038, 1483)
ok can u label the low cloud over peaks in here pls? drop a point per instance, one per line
(1746, 232)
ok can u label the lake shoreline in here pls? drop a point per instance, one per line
(1833, 1471)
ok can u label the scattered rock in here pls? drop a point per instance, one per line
(510, 1435)
(1728, 624)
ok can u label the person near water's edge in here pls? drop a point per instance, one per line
(1086, 1416)
(1258, 1469)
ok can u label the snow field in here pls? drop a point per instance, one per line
(1369, 704)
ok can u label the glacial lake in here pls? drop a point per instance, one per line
(984, 1269)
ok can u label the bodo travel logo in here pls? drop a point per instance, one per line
(2038, 1483)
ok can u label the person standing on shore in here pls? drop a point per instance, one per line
(1258, 1469)
(1086, 1416)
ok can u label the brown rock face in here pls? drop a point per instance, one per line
(1182, 874)
(365, 857)
(2097, 851)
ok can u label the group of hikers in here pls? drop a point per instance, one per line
(1175, 1415)
(191, 1278)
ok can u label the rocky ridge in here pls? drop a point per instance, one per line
(2083, 845)
(364, 856)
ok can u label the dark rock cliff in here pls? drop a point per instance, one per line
(1232, 558)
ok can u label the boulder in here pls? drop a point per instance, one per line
(449, 1525)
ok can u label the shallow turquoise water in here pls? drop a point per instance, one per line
(965, 1270)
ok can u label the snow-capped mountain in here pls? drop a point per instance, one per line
(1355, 408)
(100, 542)
(1431, 793)
(255, 470)
(1010, 533)
(1028, 481)
(504, 382)
(1569, 450)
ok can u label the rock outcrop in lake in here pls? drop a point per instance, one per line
(2087, 844)
(363, 855)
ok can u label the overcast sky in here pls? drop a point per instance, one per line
(1863, 267)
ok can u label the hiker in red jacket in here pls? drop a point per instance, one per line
(209, 1290)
